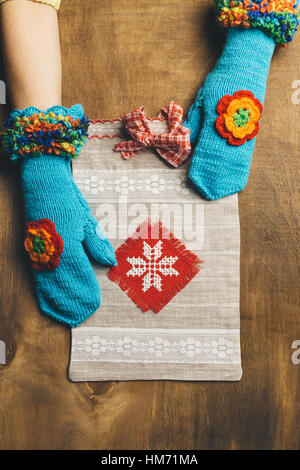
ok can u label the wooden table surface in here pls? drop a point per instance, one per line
(118, 55)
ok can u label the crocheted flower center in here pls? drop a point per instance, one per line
(43, 244)
(38, 245)
(239, 117)
(242, 117)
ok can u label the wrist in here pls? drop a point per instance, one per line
(249, 46)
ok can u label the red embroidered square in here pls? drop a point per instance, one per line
(153, 266)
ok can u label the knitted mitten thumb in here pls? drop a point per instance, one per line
(231, 101)
(58, 222)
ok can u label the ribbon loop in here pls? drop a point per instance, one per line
(173, 146)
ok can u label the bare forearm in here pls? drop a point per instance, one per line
(31, 51)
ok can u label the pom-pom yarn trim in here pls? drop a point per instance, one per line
(43, 133)
(278, 19)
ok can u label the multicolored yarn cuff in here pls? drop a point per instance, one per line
(40, 133)
(278, 19)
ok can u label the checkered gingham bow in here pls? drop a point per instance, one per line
(173, 146)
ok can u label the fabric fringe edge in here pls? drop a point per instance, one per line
(177, 245)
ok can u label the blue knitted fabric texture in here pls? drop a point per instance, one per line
(219, 169)
(70, 293)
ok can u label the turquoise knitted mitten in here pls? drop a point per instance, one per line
(225, 117)
(58, 219)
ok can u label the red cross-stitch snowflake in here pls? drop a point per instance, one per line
(153, 266)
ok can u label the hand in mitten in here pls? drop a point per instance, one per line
(58, 219)
(225, 117)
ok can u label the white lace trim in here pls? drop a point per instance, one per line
(146, 181)
(139, 345)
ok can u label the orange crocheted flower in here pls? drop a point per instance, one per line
(239, 117)
(43, 244)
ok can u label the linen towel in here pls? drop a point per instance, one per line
(196, 335)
